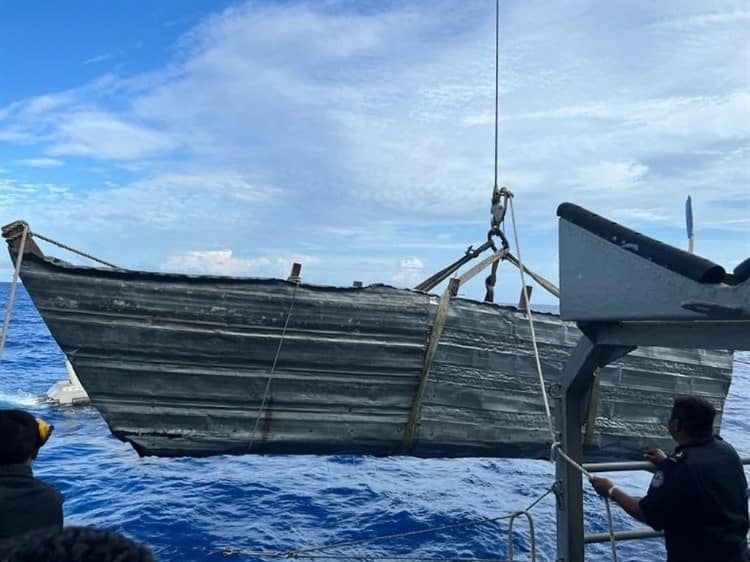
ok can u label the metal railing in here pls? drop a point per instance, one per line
(623, 467)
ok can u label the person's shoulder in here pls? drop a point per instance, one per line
(714, 457)
(48, 490)
(719, 443)
(717, 450)
(680, 466)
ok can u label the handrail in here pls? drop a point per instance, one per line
(622, 467)
(623, 535)
(631, 465)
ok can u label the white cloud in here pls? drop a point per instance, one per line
(39, 162)
(220, 262)
(22, 196)
(36, 106)
(708, 118)
(410, 273)
(389, 118)
(412, 263)
(608, 177)
(17, 137)
(105, 136)
(98, 58)
(704, 20)
(224, 262)
(639, 215)
(298, 124)
(178, 202)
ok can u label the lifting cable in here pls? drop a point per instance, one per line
(496, 195)
(556, 447)
(501, 200)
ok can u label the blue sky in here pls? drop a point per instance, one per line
(356, 137)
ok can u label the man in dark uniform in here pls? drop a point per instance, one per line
(26, 503)
(698, 495)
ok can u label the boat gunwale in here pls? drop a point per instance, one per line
(53, 263)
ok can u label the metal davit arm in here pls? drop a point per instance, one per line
(625, 290)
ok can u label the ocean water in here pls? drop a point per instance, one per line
(225, 508)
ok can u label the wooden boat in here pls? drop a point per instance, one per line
(184, 365)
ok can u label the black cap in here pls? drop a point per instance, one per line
(20, 436)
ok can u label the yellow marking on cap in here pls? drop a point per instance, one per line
(45, 430)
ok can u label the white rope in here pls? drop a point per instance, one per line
(71, 249)
(273, 366)
(556, 448)
(612, 539)
(229, 552)
(12, 290)
(530, 316)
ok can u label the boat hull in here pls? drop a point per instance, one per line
(178, 365)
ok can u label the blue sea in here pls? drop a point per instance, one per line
(225, 508)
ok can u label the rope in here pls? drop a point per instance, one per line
(556, 448)
(12, 290)
(230, 552)
(305, 552)
(610, 524)
(70, 249)
(611, 528)
(273, 366)
(530, 316)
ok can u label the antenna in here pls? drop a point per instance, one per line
(689, 223)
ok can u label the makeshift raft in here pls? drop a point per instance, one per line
(182, 365)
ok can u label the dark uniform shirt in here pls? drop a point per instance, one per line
(699, 498)
(26, 503)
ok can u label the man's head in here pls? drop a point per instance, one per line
(78, 544)
(692, 419)
(21, 436)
